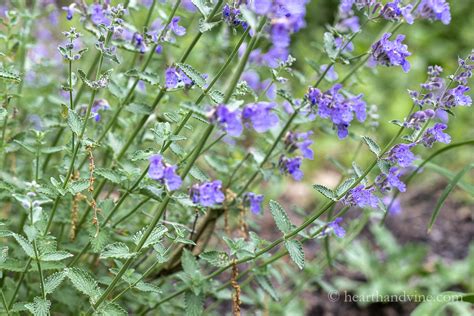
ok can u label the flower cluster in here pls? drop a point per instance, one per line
(163, 173)
(362, 197)
(99, 105)
(208, 193)
(341, 110)
(390, 53)
(233, 17)
(300, 141)
(291, 166)
(175, 77)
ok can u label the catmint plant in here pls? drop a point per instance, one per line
(144, 142)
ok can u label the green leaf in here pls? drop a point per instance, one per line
(53, 281)
(75, 122)
(203, 7)
(100, 83)
(189, 263)
(148, 77)
(154, 238)
(9, 76)
(216, 96)
(264, 282)
(117, 250)
(295, 249)
(147, 287)
(469, 188)
(280, 217)
(327, 192)
(84, 282)
(55, 256)
(445, 193)
(207, 26)
(216, 258)
(25, 245)
(373, 146)
(3, 113)
(78, 186)
(435, 307)
(109, 174)
(330, 46)
(111, 309)
(383, 165)
(194, 304)
(345, 186)
(139, 108)
(197, 174)
(39, 307)
(193, 74)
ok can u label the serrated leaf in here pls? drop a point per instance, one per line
(264, 282)
(53, 281)
(9, 76)
(193, 74)
(189, 263)
(280, 217)
(295, 249)
(207, 26)
(75, 122)
(101, 82)
(383, 165)
(216, 258)
(345, 186)
(329, 45)
(139, 108)
(111, 309)
(148, 287)
(78, 186)
(84, 282)
(216, 96)
(327, 192)
(55, 256)
(155, 237)
(3, 113)
(51, 150)
(39, 307)
(25, 245)
(117, 250)
(373, 146)
(148, 77)
(202, 6)
(194, 304)
(197, 174)
(109, 174)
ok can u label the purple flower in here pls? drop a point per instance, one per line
(456, 96)
(401, 155)
(98, 15)
(392, 11)
(331, 74)
(229, 121)
(418, 118)
(436, 134)
(208, 193)
(254, 201)
(99, 105)
(337, 229)
(332, 104)
(395, 208)
(176, 28)
(139, 42)
(300, 141)
(156, 170)
(171, 179)
(385, 182)
(434, 10)
(261, 116)
(390, 53)
(165, 174)
(69, 11)
(262, 7)
(361, 197)
(176, 77)
(291, 166)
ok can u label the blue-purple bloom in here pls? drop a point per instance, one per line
(99, 105)
(254, 201)
(393, 11)
(401, 155)
(176, 77)
(99, 15)
(434, 10)
(261, 116)
(418, 118)
(229, 121)
(291, 166)
(69, 11)
(332, 104)
(300, 141)
(176, 28)
(331, 74)
(436, 134)
(385, 182)
(337, 229)
(208, 193)
(361, 197)
(390, 53)
(163, 173)
(395, 208)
